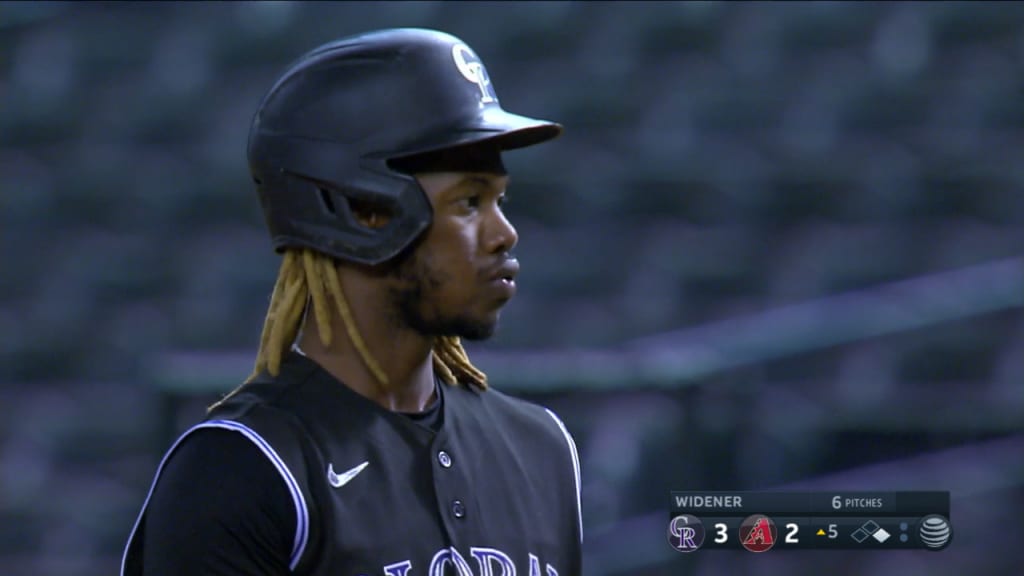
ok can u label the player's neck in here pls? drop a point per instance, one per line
(405, 357)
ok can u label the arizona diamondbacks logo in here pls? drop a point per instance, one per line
(472, 69)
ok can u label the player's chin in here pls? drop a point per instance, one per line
(481, 328)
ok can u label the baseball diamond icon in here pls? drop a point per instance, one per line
(686, 533)
(870, 529)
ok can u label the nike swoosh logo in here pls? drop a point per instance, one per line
(339, 480)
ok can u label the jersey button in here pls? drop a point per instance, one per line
(458, 509)
(444, 459)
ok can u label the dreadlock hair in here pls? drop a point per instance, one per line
(309, 276)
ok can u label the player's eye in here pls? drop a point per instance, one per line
(470, 201)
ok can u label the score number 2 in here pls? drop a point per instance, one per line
(722, 533)
(791, 531)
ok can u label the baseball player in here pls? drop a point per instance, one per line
(365, 443)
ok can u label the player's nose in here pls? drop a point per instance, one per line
(499, 234)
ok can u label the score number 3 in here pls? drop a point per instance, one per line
(722, 533)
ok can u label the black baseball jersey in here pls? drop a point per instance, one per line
(341, 486)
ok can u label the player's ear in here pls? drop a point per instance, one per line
(371, 215)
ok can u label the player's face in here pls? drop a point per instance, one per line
(459, 276)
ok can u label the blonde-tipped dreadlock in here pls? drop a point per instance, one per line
(308, 276)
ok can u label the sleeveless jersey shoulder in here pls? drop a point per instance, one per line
(220, 508)
(259, 412)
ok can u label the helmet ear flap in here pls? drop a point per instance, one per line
(368, 224)
(371, 214)
(328, 201)
(357, 211)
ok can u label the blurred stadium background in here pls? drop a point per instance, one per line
(780, 246)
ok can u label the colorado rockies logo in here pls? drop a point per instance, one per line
(472, 69)
(686, 533)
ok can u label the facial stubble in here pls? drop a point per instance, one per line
(416, 296)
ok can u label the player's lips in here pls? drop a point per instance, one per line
(503, 277)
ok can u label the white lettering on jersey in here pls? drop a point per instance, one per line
(449, 556)
(534, 565)
(484, 557)
(491, 562)
(398, 569)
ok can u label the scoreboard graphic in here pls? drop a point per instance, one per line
(763, 521)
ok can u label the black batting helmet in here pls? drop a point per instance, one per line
(331, 128)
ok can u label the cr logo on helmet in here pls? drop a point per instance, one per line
(472, 69)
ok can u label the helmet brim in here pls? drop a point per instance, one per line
(493, 125)
(512, 131)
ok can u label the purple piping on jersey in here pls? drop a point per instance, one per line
(301, 512)
(575, 467)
